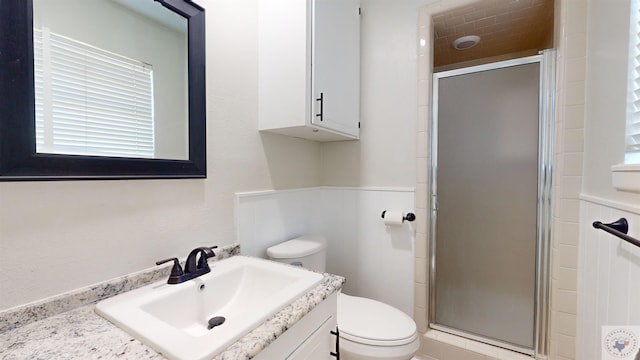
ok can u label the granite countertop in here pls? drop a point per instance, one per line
(79, 333)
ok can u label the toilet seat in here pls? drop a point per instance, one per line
(371, 322)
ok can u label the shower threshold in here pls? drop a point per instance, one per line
(487, 341)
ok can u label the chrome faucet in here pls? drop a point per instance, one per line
(192, 269)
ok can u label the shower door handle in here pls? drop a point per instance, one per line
(435, 206)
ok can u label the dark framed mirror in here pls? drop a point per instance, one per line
(24, 155)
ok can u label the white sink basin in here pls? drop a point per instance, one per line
(173, 319)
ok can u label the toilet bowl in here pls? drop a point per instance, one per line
(372, 330)
(369, 329)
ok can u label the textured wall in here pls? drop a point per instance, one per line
(59, 236)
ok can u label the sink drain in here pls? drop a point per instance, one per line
(215, 321)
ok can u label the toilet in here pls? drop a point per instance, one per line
(369, 329)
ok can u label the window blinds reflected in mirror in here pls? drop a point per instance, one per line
(169, 34)
(90, 101)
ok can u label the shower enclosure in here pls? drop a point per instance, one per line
(490, 201)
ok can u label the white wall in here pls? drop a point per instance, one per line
(267, 218)
(62, 235)
(607, 51)
(607, 266)
(385, 154)
(383, 265)
(376, 260)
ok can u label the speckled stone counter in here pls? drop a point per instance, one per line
(76, 332)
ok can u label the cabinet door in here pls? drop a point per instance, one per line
(319, 345)
(336, 65)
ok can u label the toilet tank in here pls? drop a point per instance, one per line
(308, 251)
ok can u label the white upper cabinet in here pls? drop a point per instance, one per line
(309, 68)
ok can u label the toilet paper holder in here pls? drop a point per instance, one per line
(407, 217)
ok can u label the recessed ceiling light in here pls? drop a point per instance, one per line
(465, 42)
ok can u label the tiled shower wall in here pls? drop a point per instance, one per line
(570, 39)
(571, 35)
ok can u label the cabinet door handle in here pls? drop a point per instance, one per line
(337, 353)
(321, 99)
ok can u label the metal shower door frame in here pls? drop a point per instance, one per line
(546, 121)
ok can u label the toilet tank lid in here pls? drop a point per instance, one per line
(298, 247)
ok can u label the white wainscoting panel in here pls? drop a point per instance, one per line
(378, 261)
(266, 218)
(608, 274)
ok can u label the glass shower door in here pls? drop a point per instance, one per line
(486, 195)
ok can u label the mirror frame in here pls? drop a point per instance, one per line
(18, 157)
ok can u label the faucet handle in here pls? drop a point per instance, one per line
(204, 255)
(202, 262)
(176, 270)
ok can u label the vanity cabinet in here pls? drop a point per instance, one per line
(308, 339)
(309, 68)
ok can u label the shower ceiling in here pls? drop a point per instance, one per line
(504, 26)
